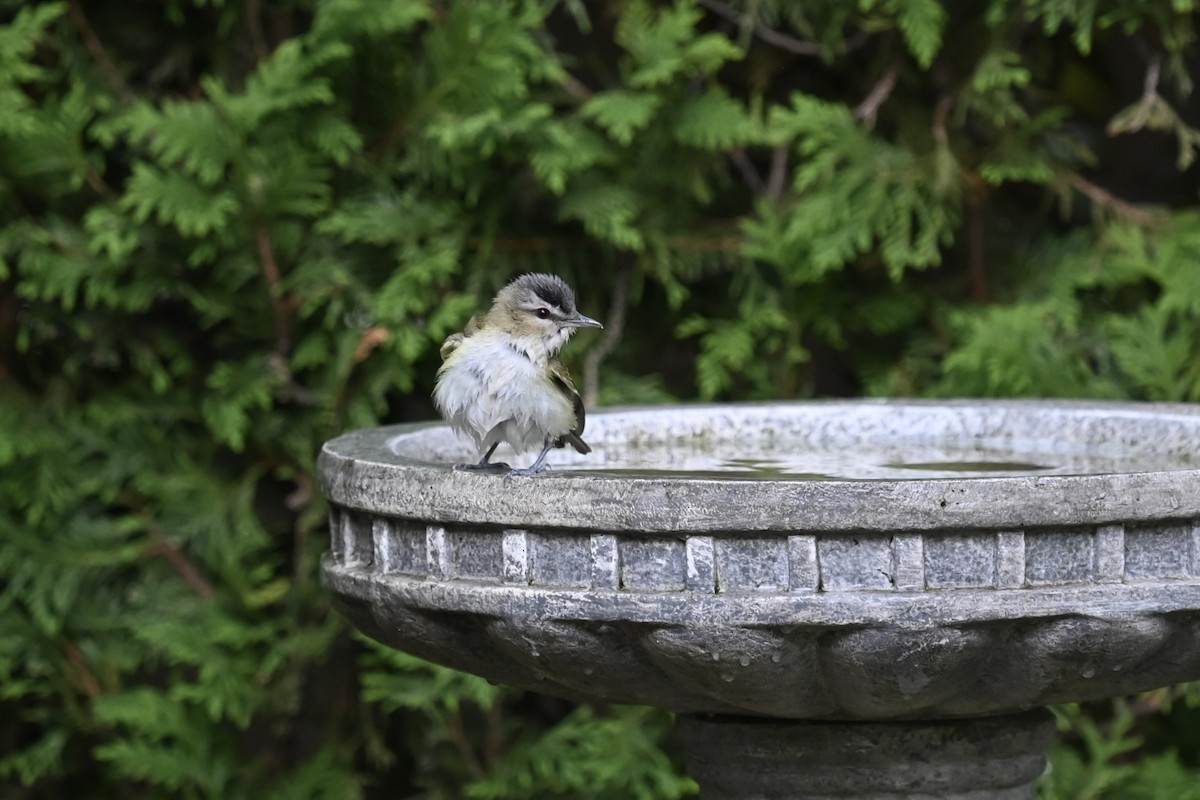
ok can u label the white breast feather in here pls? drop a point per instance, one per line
(490, 392)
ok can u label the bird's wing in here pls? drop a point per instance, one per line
(562, 379)
(450, 345)
(455, 339)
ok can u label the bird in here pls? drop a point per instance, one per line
(501, 379)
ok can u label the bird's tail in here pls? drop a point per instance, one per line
(575, 441)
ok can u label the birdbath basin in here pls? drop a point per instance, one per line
(839, 599)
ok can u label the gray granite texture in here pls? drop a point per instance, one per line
(865, 560)
(996, 758)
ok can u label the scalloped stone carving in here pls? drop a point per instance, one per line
(877, 626)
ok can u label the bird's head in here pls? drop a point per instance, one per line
(540, 308)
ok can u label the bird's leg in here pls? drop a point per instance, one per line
(484, 465)
(539, 464)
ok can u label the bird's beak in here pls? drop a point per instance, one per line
(580, 321)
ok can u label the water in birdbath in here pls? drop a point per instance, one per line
(801, 469)
(857, 441)
(781, 460)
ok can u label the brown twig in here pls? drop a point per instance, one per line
(298, 502)
(96, 48)
(370, 339)
(400, 126)
(385, 143)
(940, 113)
(258, 42)
(777, 177)
(746, 167)
(1106, 199)
(459, 737)
(575, 87)
(976, 240)
(8, 325)
(1153, 702)
(1153, 73)
(493, 743)
(768, 35)
(614, 328)
(682, 243)
(866, 111)
(1145, 105)
(97, 182)
(287, 390)
(281, 306)
(161, 545)
(85, 677)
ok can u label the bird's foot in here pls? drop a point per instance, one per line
(525, 472)
(484, 466)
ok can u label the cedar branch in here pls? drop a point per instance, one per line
(977, 200)
(298, 502)
(1145, 106)
(941, 112)
(281, 306)
(613, 330)
(575, 87)
(161, 545)
(680, 243)
(493, 742)
(746, 167)
(777, 177)
(458, 736)
(85, 677)
(866, 111)
(258, 42)
(98, 52)
(768, 35)
(1106, 199)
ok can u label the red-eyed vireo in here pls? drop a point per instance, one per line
(501, 380)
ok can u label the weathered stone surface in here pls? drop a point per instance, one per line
(837, 599)
(858, 561)
(998, 758)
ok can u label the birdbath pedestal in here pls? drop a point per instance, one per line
(869, 599)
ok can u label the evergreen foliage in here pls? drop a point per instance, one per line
(230, 231)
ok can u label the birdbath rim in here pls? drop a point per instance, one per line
(1137, 464)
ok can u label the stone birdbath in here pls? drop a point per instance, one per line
(869, 599)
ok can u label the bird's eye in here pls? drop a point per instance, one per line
(543, 313)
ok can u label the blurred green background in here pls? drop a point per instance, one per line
(231, 230)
